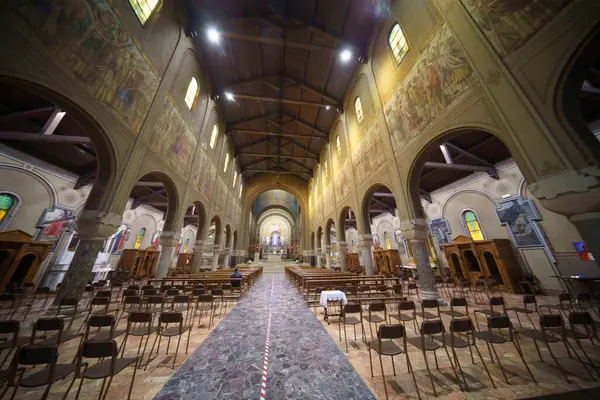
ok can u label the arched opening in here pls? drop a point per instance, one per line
(379, 216)
(23, 268)
(48, 126)
(456, 266)
(320, 245)
(578, 97)
(215, 231)
(492, 267)
(471, 261)
(331, 246)
(228, 236)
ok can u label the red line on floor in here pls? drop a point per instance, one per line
(263, 383)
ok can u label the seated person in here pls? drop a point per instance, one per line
(236, 274)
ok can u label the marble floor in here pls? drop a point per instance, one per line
(303, 360)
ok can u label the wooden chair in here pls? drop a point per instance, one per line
(402, 318)
(46, 325)
(11, 327)
(527, 299)
(139, 323)
(348, 319)
(491, 312)
(457, 302)
(205, 305)
(164, 330)
(373, 318)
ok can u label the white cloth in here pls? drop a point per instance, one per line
(332, 295)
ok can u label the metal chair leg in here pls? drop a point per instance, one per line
(383, 375)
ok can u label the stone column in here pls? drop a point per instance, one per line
(342, 247)
(416, 231)
(328, 256)
(93, 227)
(364, 244)
(215, 257)
(319, 258)
(227, 258)
(198, 255)
(168, 242)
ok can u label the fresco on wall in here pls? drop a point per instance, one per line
(172, 140)
(275, 197)
(220, 196)
(508, 24)
(342, 182)
(87, 38)
(238, 214)
(519, 215)
(368, 155)
(204, 175)
(328, 201)
(439, 76)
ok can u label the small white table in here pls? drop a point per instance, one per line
(331, 295)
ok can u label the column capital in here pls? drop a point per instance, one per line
(169, 239)
(97, 225)
(216, 247)
(226, 250)
(199, 246)
(342, 246)
(328, 248)
(414, 229)
(365, 240)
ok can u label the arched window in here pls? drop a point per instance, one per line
(140, 238)
(359, 111)
(143, 8)
(185, 246)
(338, 145)
(326, 167)
(234, 178)
(472, 225)
(241, 188)
(213, 136)
(398, 43)
(226, 163)
(388, 242)
(8, 205)
(192, 93)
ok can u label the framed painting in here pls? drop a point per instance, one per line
(519, 215)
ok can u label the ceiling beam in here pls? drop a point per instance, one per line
(277, 172)
(52, 122)
(275, 134)
(156, 204)
(324, 95)
(376, 210)
(138, 201)
(390, 209)
(287, 101)
(149, 184)
(276, 41)
(254, 144)
(300, 165)
(85, 180)
(36, 137)
(25, 114)
(304, 124)
(426, 195)
(380, 194)
(459, 167)
(248, 121)
(277, 155)
(301, 147)
(469, 154)
(255, 162)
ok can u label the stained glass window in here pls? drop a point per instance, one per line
(213, 136)
(338, 145)
(398, 43)
(143, 8)
(7, 202)
(359, 111)
(139, 239)
(472, 224)
(388, 242)
(192, 93)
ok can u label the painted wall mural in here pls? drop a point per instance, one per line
(87, 38)
(204, 175)
(342, 182)
(220, 196)
(368, 156)
(172, 140)
(328, 200)
(438, 78)
(275, 197)
(508, 24)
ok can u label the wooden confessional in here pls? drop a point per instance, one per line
(20, 257)
(495, 259)
(139, 262)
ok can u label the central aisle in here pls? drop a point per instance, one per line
(303, 360)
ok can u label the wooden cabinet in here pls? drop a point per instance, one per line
(20, 258)
(494, 259)
(139, 262)
(385, 261)
(392, 259)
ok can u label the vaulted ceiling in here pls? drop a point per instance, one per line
(280, 59)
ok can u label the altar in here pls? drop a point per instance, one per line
(274, 257)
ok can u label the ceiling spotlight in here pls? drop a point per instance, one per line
(213, 35)
(327, 107)
(345, 55)
(229, 96)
